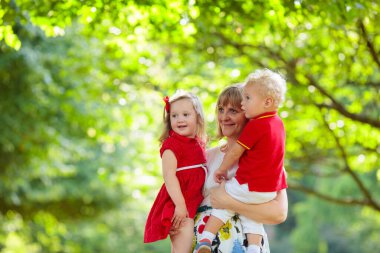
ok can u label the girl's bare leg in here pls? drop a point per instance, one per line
(182, 241)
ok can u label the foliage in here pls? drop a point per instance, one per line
(80, 102)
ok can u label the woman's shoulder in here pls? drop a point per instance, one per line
(212, 152)
(214, 155)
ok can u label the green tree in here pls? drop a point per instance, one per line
(81, 83)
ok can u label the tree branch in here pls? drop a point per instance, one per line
(240, 47)
(369, 199)
(355, 117)
(317, 172)
(375, 85)
(340, 108)
(335, 105)
(327, 197)
(369, 43)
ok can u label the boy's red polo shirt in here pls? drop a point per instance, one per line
(261, 165)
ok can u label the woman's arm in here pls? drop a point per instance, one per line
(272, 212)
(169, 167)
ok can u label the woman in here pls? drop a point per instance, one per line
(231, 121)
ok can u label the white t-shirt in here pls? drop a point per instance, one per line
(214, 158)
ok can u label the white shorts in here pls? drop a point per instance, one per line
(242, 193)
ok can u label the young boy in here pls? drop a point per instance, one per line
(260, 152)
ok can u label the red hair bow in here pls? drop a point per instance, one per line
(167, 104)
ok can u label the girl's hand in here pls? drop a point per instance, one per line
(173, 231)
(180, 213)
(220, 176)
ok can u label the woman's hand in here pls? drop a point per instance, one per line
(180, 213)
(219, 197)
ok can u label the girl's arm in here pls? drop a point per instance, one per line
(272, 212)
(169, 167)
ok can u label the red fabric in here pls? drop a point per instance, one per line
(188, 152)
(167, 104)
(261, 165)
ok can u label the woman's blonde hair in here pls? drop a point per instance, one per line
(232, 95)
(201, 126)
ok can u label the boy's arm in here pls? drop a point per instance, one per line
(169, 168)
(229, 159)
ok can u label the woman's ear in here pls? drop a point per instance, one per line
(269, 102)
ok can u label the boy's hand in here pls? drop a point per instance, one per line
(180, 213)
(220, 176)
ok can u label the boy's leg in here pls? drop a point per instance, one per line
(217, 219)
(255, 232)
(213, 225)
(254, 243)
(182, 241)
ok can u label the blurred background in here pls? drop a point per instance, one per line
(81, 87)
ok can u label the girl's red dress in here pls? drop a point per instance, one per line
(188, 151)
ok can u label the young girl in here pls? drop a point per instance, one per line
(183, 165)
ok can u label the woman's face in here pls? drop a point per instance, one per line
(231, 120)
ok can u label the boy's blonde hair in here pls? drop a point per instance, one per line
(270, 84)
(232, 95)
(201, 126)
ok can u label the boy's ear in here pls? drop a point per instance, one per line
(269, 102)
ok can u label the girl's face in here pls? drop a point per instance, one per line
(183, 118)
(231, 120)
(253, 103)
